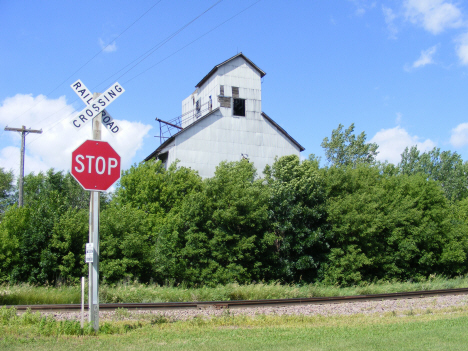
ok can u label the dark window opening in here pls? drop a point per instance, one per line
(221, 90)
(198, 107)
(239, 107)
(163, 158)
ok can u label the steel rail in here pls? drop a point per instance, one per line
(246, 303)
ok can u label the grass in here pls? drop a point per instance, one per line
(25, 294)
(409, 331)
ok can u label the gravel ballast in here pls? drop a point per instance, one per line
(399, 307)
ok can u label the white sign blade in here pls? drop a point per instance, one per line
(109, 123)
(84, 93)
(98, 105)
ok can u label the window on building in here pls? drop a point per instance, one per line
(221, 90)
(163, 157)
(239, 107)
(198, 108)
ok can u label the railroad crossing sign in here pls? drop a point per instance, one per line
(95, 165)
(96, 106)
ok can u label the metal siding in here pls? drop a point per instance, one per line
(223, 137)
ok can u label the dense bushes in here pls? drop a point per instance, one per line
(353, 220)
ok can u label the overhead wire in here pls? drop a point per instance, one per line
(86, 63)
(169, 56)
(192, 42)
(152, 50)
(140, 59)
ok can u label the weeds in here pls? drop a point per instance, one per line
(48, 326)
(159, 319)
(135, 292)
(122, 313)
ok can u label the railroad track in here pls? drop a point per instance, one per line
(202, 305)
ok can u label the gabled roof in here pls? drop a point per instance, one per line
(301, 148)
(215, 68)
(169, 140)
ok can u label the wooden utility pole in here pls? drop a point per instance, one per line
(23, 132)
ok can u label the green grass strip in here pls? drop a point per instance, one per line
(25, 294)
(434, 331)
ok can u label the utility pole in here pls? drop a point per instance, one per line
(23, 132)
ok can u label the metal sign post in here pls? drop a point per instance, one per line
(93, 300)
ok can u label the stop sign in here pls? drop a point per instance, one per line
(95, 165)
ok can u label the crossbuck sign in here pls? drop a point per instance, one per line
(96, 166)
(96, 106)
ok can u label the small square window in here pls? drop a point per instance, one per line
(239, 107)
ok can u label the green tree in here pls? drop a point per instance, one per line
(388, 227)
(445, 167)
(69, 236)
(297, 216)
(14, 222)
(219, 234)
(47, 197)
(126, 244)
(6, 189)
(151, 188)
(346, 149)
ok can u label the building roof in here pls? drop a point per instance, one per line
(215, 68)
(301, 148)
(170, 139)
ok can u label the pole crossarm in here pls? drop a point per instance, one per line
(23, 130)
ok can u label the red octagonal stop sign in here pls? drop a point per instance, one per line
(95, 165)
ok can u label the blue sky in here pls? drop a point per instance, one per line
(397, 69)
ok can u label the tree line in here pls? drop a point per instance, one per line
(349, 221)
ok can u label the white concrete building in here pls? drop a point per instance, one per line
(222, 120)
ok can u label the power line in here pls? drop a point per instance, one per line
(141, 58)
(167, 57)
(104, 48)
(152, 50)
(201, 36)
(86, 63)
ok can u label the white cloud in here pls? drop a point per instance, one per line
(107, 47)
(433, 15)
(399, 116)
(459, 135)
(426, 57)
(462, 49)
(392, 142)
(53, 148)
(390, 17)
(128, 140)
(362, 6)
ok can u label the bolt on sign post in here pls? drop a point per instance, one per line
(96, 166)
